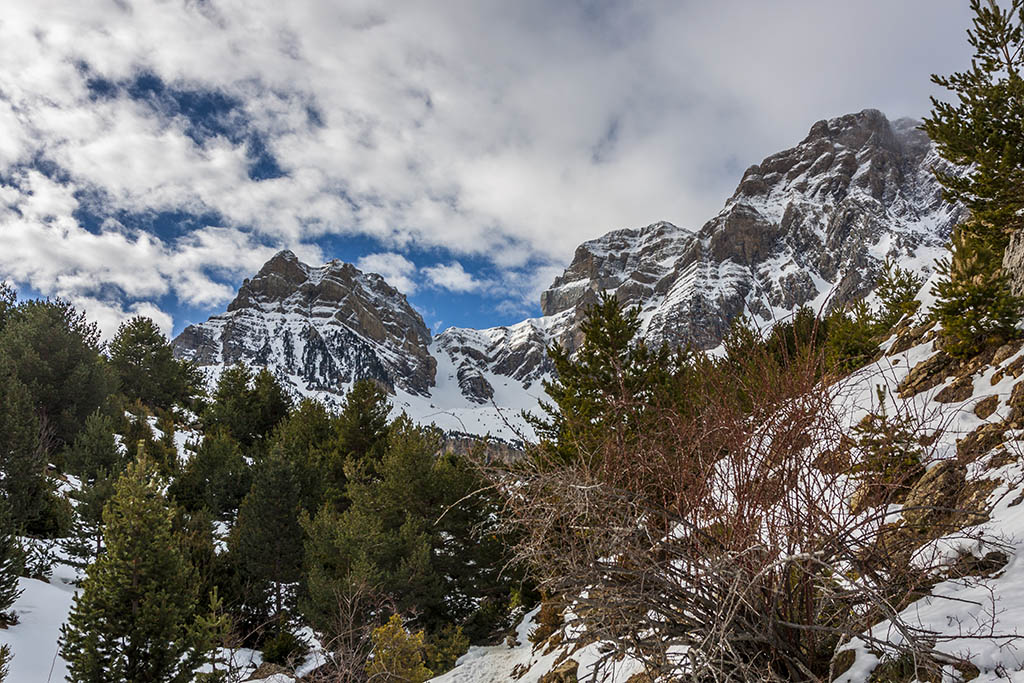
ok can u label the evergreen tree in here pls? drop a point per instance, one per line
(54, 351)
(7, 303)
(248, 406)
(851, 341)
(267, 538)
(363, 421)
(97, 460)
(397, 654)
(422, 531)
(5, 661)
(600, 390)
(12, 562)
(138, 618)
(307, 439)
(23, 457)
(973, 300)
(897, 290)
(145, 365)
(216, 477)
(984, 131)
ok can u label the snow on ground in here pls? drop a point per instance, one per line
(41, 610)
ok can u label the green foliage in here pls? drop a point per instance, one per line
(143, 362)
(852, 339)
(12, 562)
(423, 532)
(216, 477)
(444, 648)
(973, 300)
(267, 538)
(307, 439)
(896, 290)
(8, 300)
(984, 134)
(248, 406)
(138, 618)
(398, 655)
(23, 457)
(54, 352)
(888, 445)
(983, 131)
(363, 422)
(597, 388)
(284, 647)
(5, 661)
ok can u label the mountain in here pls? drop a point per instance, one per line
(811, 225)
(318, 328)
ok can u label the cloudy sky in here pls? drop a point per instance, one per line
(155, 153)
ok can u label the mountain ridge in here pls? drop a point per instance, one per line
(810, 225)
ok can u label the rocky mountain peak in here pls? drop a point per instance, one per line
(321, 328)
(807, 226)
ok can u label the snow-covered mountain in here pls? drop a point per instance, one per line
(807, 226)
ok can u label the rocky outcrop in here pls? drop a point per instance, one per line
(807, 226)
(319, 328)
(1013, 263)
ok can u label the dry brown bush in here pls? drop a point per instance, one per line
(722, 532)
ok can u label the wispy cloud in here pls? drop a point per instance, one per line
(504, 133)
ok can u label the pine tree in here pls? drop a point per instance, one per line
(248, 406)
(397, 654)
(267, 538)
(137, 618)
(973, 300)
(146, 367)
(307, 439)
(7, 303)
(216, 477)
(984, 131)
(55, 353)
(97, 460)
(423, 531)
(600, 390)
(23, 457)
(897, 289)
(12, 561)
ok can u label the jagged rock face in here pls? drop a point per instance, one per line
(318, 329)
(807, 226)
(517, 352)
(1013, 263)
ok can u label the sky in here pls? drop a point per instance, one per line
(153, 153)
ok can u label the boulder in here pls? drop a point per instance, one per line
(935, 494)
(566, 672)
(927, 374)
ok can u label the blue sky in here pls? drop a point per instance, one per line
(154, 154)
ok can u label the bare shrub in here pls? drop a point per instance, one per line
(718, 542)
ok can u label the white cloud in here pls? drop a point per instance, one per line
(454, 278)
(509, 131)
(396, 269)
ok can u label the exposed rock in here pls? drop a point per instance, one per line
(980, 441)
(800, 225)
(1016, 403)
(326, 327)
(1013, 263)
(935, 494)
(927, 374)
(565, 672)
(986, 406)
(960, 390)
(1014, 369)
(911, 337)
(1006, 351)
